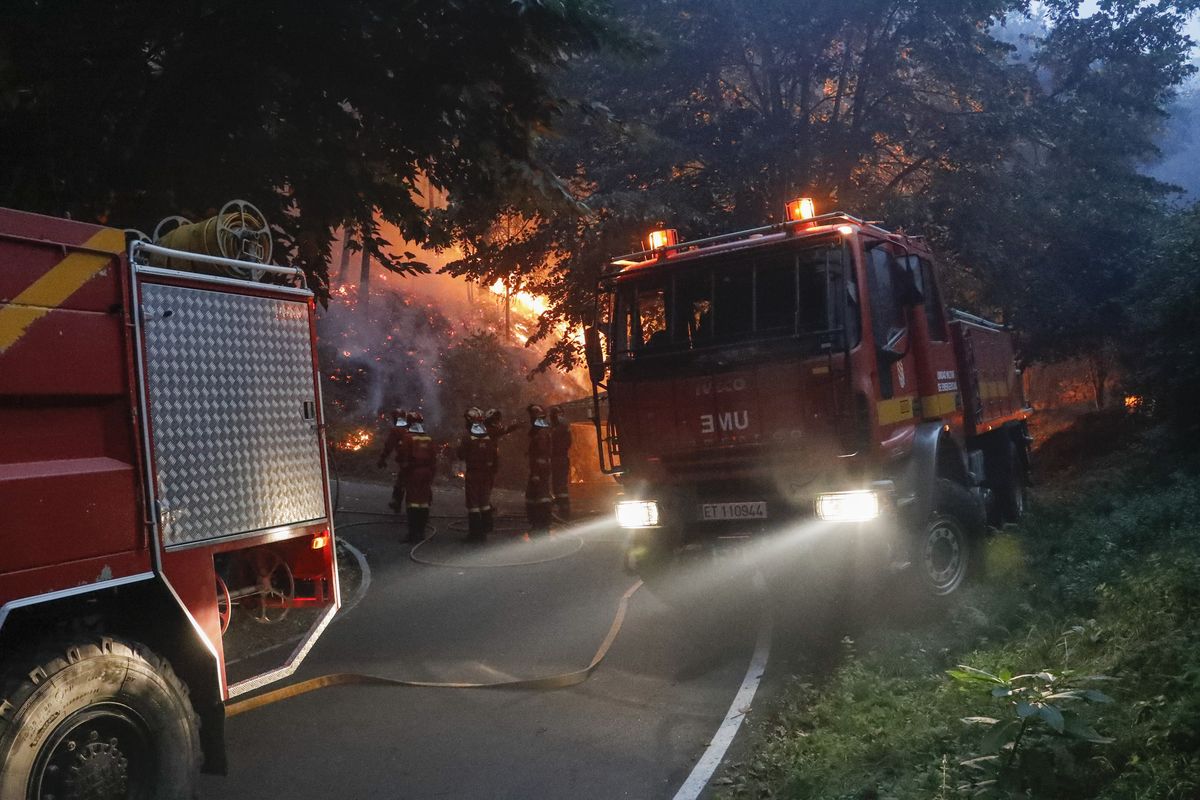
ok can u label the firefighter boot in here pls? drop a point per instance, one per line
(541, 520)
(417, 519)
(562, 508)
(489, 521)
(475, 532)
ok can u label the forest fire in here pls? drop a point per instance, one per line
(434, 342)
(355, 440)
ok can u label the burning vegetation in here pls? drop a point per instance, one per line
(355, 440)
(433, 342)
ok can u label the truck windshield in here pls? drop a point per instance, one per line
(740, 297)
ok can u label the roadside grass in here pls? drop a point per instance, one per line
(1099, 588)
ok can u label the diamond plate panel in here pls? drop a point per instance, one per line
(227, 378)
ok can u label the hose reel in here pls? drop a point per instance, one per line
(239, 231)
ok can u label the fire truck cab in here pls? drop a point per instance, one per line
(167, 539)
(798, 374)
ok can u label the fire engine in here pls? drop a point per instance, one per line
(166, 540)
(804, 373)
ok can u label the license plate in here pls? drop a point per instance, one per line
(733, 511)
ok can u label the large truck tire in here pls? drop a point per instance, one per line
(102, 719)
(1010, 482)
(949, 547)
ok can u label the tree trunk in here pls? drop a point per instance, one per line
(364, 282)
(344, 264)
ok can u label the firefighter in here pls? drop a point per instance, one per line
(391, 444)
(560, 461)
(419, 460)
(538, 498)
(477, 453)
(496, 430)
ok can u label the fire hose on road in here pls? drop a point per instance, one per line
(559, 681)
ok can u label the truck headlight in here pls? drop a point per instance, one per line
(857, 506)
(637, 514)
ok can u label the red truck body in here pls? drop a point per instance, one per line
(162, 462)
(750, 375)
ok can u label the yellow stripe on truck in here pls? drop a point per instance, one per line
(942, 404)
(57, 284)
(895, 410)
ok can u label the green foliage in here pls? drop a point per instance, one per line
(321, 113)
(1105, 586)
(1019, 161)
(1036, 704)
(1165, 356)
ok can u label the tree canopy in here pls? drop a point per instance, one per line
(1017, 151)
(561, 131)
(323, 113)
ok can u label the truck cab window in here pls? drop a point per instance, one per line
(693, 308)
(933, 301)
(843, 293)
(734, 301)
(775, 296)
(652, 318)
(623, 321)
(887, 317)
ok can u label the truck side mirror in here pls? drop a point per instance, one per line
(594, 354)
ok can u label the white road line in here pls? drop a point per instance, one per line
(364, 569)
(711, 758)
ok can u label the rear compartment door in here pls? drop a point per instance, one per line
(232, 401)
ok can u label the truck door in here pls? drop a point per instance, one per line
(937, 370)
(896, 375)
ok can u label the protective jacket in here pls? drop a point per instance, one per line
(418, 460)
(538, 490)
(560, 456)
(478, 455)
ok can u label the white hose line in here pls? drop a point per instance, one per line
(710, 759)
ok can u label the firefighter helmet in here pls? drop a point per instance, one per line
(475, 421)
(556, 413)
(416, 422)
(537, 416)
(399, 418)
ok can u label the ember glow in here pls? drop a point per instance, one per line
(355, 440)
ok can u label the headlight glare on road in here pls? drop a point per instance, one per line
(637, 514)
(857, 506)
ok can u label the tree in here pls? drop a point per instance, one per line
(1021, 163)
(1164, 355)
(323, 114)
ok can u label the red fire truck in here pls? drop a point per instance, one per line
(804, 374)
(166, 540)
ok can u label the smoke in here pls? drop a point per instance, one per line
(394, 351)
(1180, 143)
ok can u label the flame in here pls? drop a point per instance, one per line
(355, 440)
(1133, 402)
(532, 304)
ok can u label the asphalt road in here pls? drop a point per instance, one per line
(633, 729)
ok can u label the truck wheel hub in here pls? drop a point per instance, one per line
(943, 555)
(89, 758)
